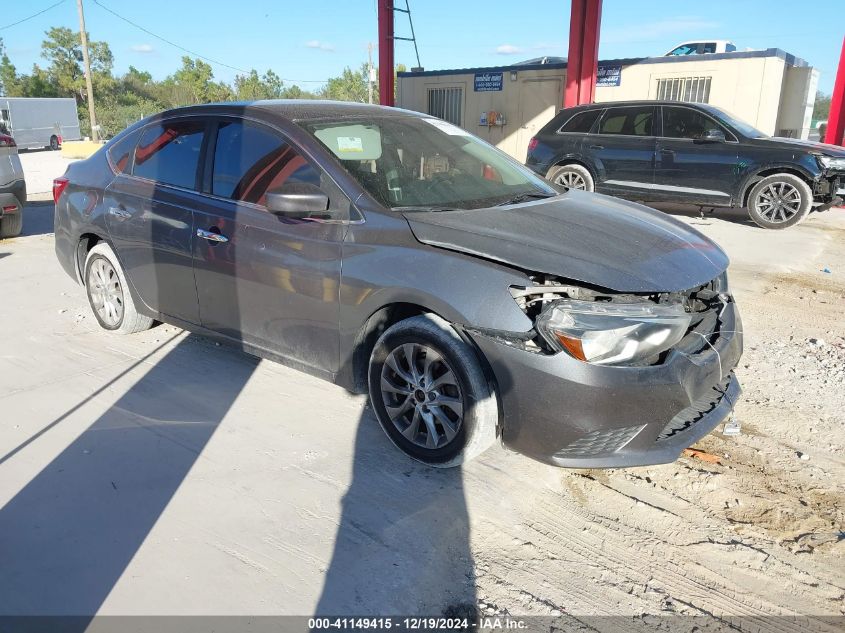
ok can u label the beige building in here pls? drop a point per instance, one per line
(507, 105)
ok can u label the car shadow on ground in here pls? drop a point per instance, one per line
(736, 216)
(68, 535)
(38, 217)
(66, 538)
(402, 545)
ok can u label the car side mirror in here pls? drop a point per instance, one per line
(297, 200)
(712, 136)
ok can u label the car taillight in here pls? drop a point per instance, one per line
(7, 141)
(59, 185)
(532, 144)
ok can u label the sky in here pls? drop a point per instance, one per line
(307, 42)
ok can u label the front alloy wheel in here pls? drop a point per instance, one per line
(430, 393)
(779, 201)
(422, 396)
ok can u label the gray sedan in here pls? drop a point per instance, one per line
(395, 254)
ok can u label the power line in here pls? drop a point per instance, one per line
(182, 48)
(166, 41)
(34, 15)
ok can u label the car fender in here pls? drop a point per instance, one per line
(752, 176)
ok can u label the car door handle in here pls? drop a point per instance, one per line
(211, 236)
(120, 212)
(667, 151)
(596, 146)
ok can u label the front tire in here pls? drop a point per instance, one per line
(779, 201)
(571, 176)
(11, 225)
(430, 394)
(108, 293)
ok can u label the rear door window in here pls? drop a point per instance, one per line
(636, 121)
(250, 160)
(581, 123)
(169, 153)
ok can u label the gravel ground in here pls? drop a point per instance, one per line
(161, 473)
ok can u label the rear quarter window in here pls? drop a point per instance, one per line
(580, 123)
(120, 152)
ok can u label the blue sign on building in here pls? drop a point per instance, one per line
(488, 82)
(608, 76)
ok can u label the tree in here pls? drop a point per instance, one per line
(63, 51)
(251, 87)
(350, 86)
(821, 109)
(9, 82)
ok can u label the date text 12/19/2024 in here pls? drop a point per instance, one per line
(484, 623)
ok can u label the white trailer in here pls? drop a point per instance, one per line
(36, 122)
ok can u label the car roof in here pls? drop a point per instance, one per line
(634, 102)
(297, 109)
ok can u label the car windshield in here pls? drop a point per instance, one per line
(414, 163)
(746, 129)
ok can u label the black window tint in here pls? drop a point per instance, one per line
(687, 123)
(169, 153)
(709, 47)
(582, 122)
(121, 150)
(250, 160)
(630, 121)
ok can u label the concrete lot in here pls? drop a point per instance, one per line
(163, 474)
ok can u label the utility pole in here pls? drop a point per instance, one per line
(87, 63)
(370, 73)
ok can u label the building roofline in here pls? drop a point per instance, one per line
(791, 60)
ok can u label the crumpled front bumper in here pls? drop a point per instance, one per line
(565, 412)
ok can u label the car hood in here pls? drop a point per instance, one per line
(586, 237)
(782, 142)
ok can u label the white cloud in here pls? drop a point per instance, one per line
(143, 48)
(658, 29)
(323, 46)
(508, 49)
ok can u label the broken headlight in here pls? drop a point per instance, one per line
(831, 162)
(607, 333)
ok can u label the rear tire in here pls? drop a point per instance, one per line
(54, 142)
(430, 394)
(571, 176)
(108, 293)
(779, 201)
(11, 225)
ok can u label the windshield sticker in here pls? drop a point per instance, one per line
(452, 130)
(350, 144)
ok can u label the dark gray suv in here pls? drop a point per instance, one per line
(395, 254)
(665, 151)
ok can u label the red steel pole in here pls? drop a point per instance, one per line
(582, 64)
(835, 134)
(385, 52)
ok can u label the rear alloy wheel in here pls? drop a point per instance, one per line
(430, 394)
(572, 177)
(779, 201)
(54, 142)
(109, 295)
(11, 225)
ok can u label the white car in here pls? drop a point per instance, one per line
(12, 188)
(702, 48)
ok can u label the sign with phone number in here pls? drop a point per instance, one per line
(487, 82)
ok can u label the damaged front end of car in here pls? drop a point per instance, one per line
(611, 379)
